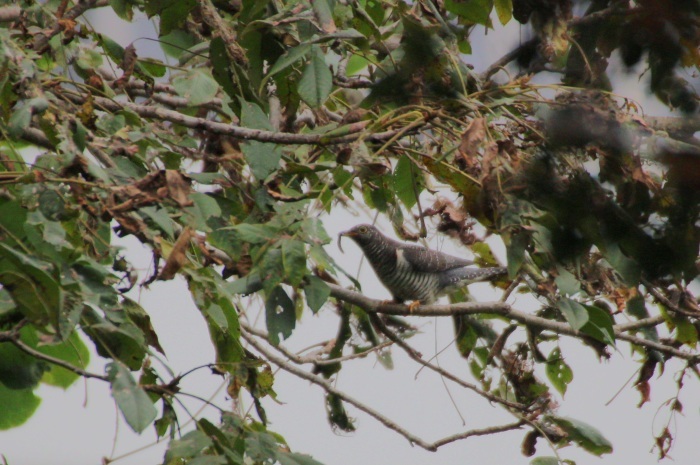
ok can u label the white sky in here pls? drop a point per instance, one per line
(82, 425)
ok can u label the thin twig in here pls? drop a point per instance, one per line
(13, 337)
(329, 388)
(437, 369)
(299, 359)
(667, 303)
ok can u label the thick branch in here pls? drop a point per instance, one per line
(498, 308)
(342, 135)
(9, 13)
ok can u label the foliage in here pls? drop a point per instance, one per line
(277, 113)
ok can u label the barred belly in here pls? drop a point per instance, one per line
(407, 284)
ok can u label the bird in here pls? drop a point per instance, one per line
(412, 272)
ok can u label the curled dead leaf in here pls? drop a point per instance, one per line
(178, 255)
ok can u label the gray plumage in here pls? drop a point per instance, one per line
(412, 272)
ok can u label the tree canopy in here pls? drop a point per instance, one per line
(263, 117)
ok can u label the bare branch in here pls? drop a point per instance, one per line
(479, 432)
(329, 388)
(419, 359)
(312, 359)
(341, 135)
(220, 29)
(9, 13)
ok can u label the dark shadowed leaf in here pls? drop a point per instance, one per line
(279, 315)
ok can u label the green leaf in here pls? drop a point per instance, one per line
(317, 293)
(188, 446)
(152, 67)
(213, 297)
(324, 14)
(290, 57)
(405, 181)
(566, 282)
(178, 42)
(124, 342)
(262, 157)
(473, 11)
(544, 461)
(337, 416)
(73, 351)
(34, 290)
(292, 458)
(19, 121)
(558, 372)
(255, 233)
(294, 261)
(316, 81)
(19, 370)
(686, 332)
(574, 312)
(16, 406)
(172, 13)
(504, 10)
(600, 325)
(132, 400)
(585, 435)
(628, 269)
(279, 315)
(142, 320)
(123, 9)
(205, 213)
(197, 86)
(515, 248)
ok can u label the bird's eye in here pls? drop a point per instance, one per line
(363, 230)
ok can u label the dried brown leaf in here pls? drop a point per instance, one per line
(178, 256)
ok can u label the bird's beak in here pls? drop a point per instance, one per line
(340, 236)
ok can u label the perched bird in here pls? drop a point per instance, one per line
(412, 272)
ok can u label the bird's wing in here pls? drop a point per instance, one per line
(430, 261)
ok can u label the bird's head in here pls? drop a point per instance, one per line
(362, 234)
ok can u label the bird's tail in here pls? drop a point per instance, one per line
(463, 276)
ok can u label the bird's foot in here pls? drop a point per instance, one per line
(413, 306)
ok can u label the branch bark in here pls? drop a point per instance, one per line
(341, 135)
(498, 308)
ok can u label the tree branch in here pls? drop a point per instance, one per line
(341, 135)
(220, 29)
(13, 337)
(9, 13)
(498, 308)
(301, 360)
(329, 388)
(437, 369)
